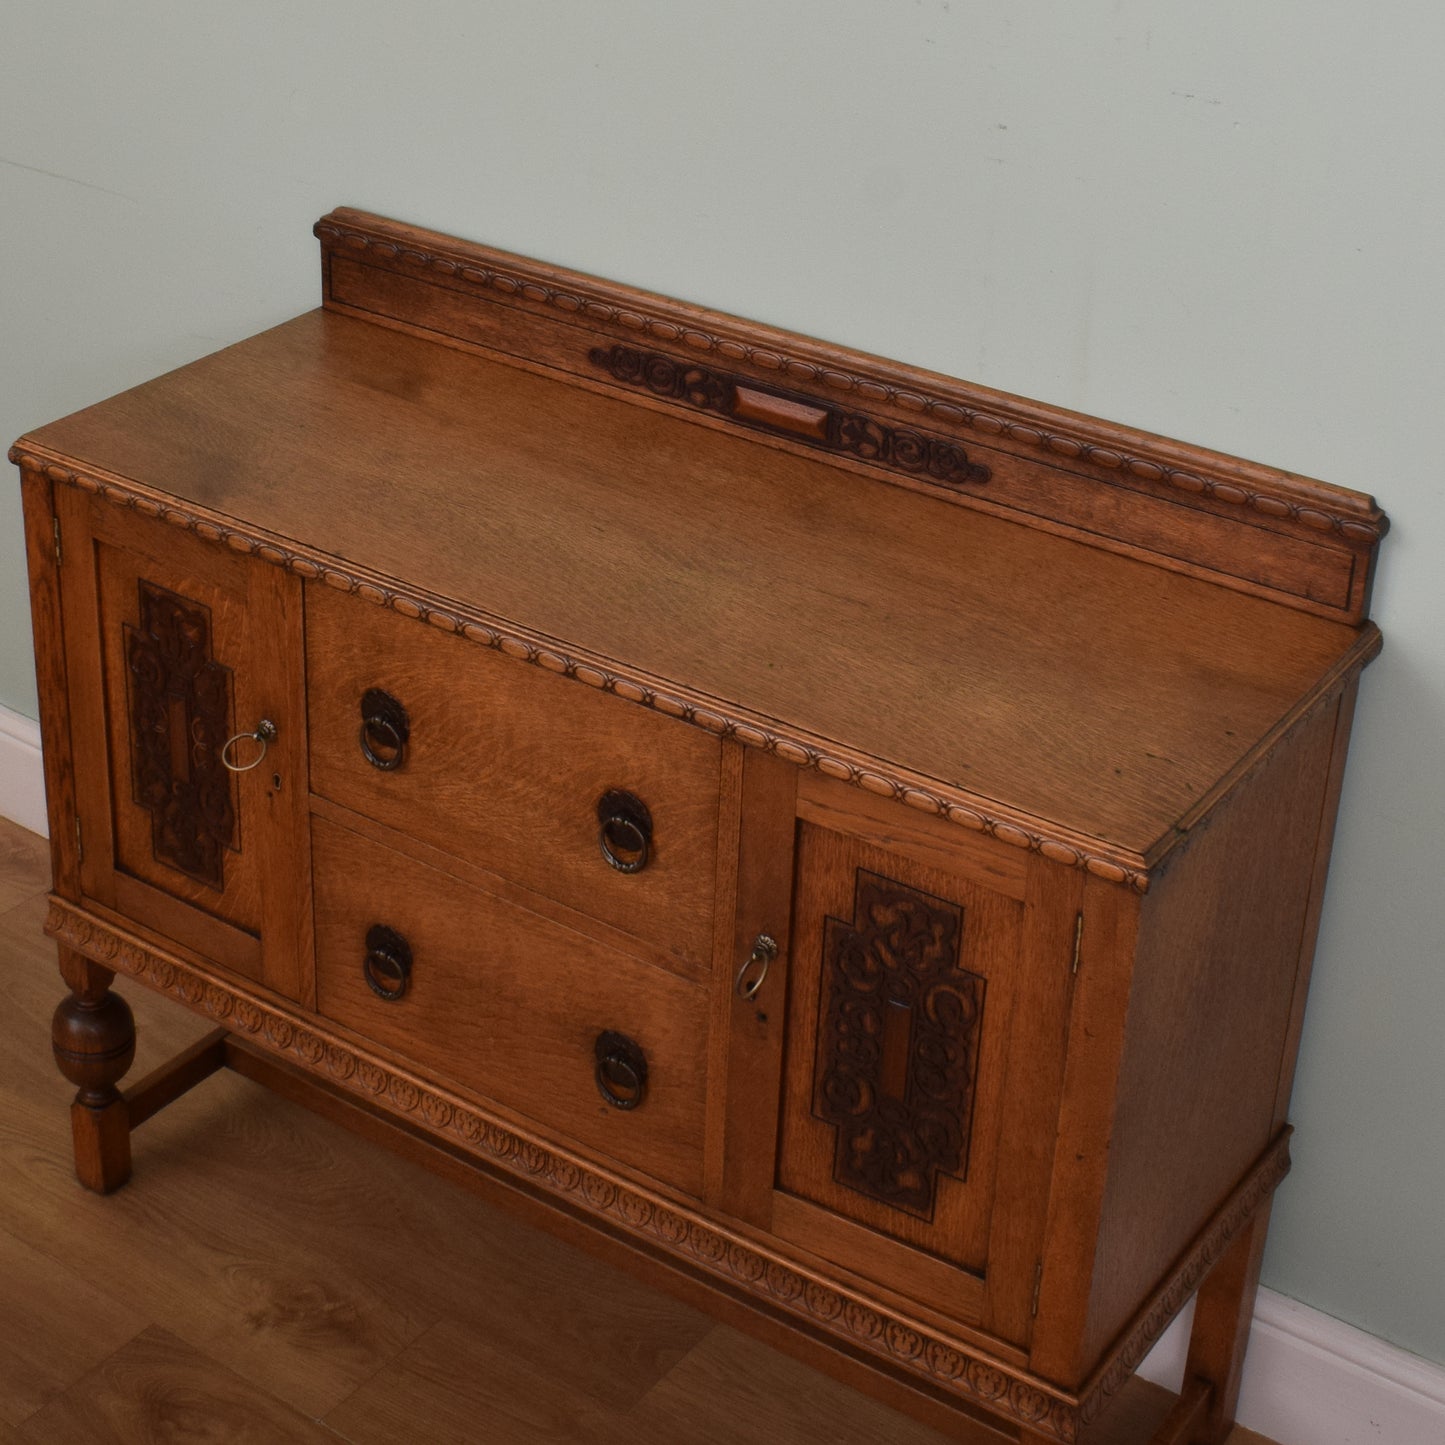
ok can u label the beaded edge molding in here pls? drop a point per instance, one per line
(515, 282)
(675, 1231)
(1119, 868)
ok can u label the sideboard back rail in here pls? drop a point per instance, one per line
(1249, 527)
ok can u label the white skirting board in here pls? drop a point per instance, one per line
(1308, 1379)
(22, 782)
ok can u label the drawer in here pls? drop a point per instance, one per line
(512, 1005)
(508, 766)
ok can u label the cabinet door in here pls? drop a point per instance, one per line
(174, 646)
(920, 1056)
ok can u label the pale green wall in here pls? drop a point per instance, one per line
(1222, 222)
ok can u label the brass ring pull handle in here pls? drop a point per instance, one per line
(387, 966)
(755, 967)
(264, 733)
(385, 729)
(624, 831)
(621, 1070)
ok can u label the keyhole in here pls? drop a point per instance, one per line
(897, 1035)
(178, 735)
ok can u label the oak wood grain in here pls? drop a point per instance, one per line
(92, 1035)
(501, 887)
(1213, 988)
(1169, 681)
(1183, 506)
(506, 766)
(411, 1235)
(1289, 1056)
(214, 591)
(1032, 1094)
(748, 1033)
(726, 898)
(110, 557)
(1220, 1332)
(1097, 1014)
(42, 560)
(148, 1095)
(829, 804)
(747, 1274)
(510, 1005)
(956, 1225)
(254, 916)
(699, 1289)
(1021, 1107)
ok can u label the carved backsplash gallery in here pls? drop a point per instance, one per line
(801, 418)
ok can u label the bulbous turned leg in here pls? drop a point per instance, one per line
(93, 1035)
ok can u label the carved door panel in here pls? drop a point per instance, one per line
(174, 647)
(889, 1117)
(927, 983)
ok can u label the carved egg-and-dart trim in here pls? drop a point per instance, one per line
(673, 1229)
(946, 1362)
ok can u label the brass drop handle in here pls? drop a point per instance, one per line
(385, 730)
(621, 1069)
(263, 733)
(755, 967)
(624, 830)
(387, 966)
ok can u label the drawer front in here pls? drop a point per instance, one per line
(512, 1005)
(517, 770)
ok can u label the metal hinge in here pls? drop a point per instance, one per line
(1038, 1287)
(1078, 940)
(55, 521)
(79, 845)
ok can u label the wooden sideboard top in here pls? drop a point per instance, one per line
(1064, 696)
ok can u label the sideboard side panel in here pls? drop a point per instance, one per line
(1344, 720)
(1210, 1010)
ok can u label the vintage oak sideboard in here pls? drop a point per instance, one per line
(847, 840)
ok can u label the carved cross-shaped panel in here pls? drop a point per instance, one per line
(180, 707)
(897, 1043)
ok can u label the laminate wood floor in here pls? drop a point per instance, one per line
(268, 1277)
